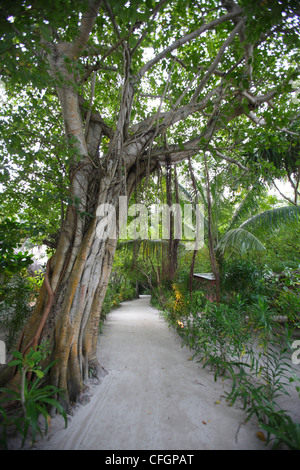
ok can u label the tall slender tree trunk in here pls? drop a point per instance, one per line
(211, 244)
(192, 266)
(173, 243)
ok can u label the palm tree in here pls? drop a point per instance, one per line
(246, 236)
(242, 233)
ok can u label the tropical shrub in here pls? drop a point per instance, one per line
(15, 308)
(283, 292)
(241, 275)
(253, 353)
(15, 287)
(11, 237)
(115, 294)
(33, 397)
(284, 429)
(218, 336)
(288, 304)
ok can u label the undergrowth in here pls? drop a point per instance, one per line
(240, 341)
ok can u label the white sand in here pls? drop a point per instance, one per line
(154, 396)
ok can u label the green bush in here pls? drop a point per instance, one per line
(15, 308)
(288, 303)
(198, 302)
(283, 292)
(15, 287)
(11, 237)
(284, 429)
(112, 300)
(218, 336)
(253, 353)
(34, 397)
(240, 276)
(116, 294)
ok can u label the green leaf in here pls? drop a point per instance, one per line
(245, 83)
(39, 373)
(46, 32)
(18, 355)
(16, 362)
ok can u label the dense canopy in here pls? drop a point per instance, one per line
(97, 96)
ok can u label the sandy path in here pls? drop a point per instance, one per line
(154, 397)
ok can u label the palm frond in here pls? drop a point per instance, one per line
(239, 240)
(190, 195)
(249, 204)
(272, 218)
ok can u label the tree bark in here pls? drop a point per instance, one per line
(69, 305)
(192, 266)
(211, 243)
(68, 310)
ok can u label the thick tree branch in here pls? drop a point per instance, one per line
(86, 26)
(190, 148)
(185, 39)
(99, 63)
(228, 159)
(112, 18)
(169, 118)
(217, 60)
(94, 116)
(153, 15)
(88, 116)
(231, 6)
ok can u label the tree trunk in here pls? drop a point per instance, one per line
(68, 309)
(192, 266)
(211, 244)
(78, 277)
(173, 243)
